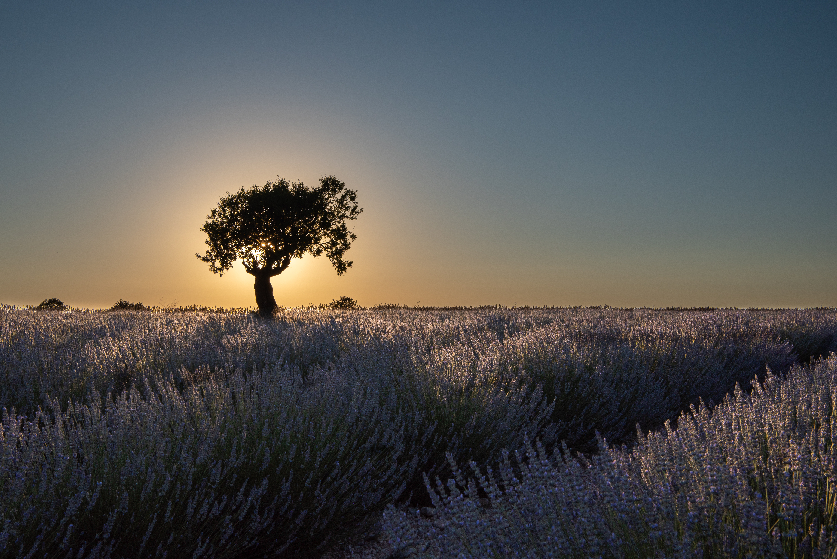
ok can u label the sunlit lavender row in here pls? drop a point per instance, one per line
(211, 434)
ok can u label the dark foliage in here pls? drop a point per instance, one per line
(267, 226)
(123, 305)
(51, 304)
(388, 306)
(343, 302)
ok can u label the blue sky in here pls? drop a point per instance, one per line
(528, 153)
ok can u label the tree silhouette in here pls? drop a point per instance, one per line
(269, 225)
(51, 304)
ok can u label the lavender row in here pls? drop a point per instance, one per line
(755, 477)
(222, 435)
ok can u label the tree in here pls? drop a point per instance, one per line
(51, 304)
(269, 225)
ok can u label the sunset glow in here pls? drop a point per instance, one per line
(518, 154)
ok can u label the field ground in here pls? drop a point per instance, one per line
(564, 432)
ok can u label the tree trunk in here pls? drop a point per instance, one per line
(264, 295)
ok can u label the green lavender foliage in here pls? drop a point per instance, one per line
(755, 477)
(154, 433)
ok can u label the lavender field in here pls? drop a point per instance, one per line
(487, 432)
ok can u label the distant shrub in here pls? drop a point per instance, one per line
(51, 304)
(388, 306)
(122, 305)
(343, 302)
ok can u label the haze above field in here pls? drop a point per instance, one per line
(528, 153)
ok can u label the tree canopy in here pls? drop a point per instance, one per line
(267, 226)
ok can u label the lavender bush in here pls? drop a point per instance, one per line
(150, 433)
(755, 477)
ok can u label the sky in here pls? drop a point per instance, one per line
(632, 154)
